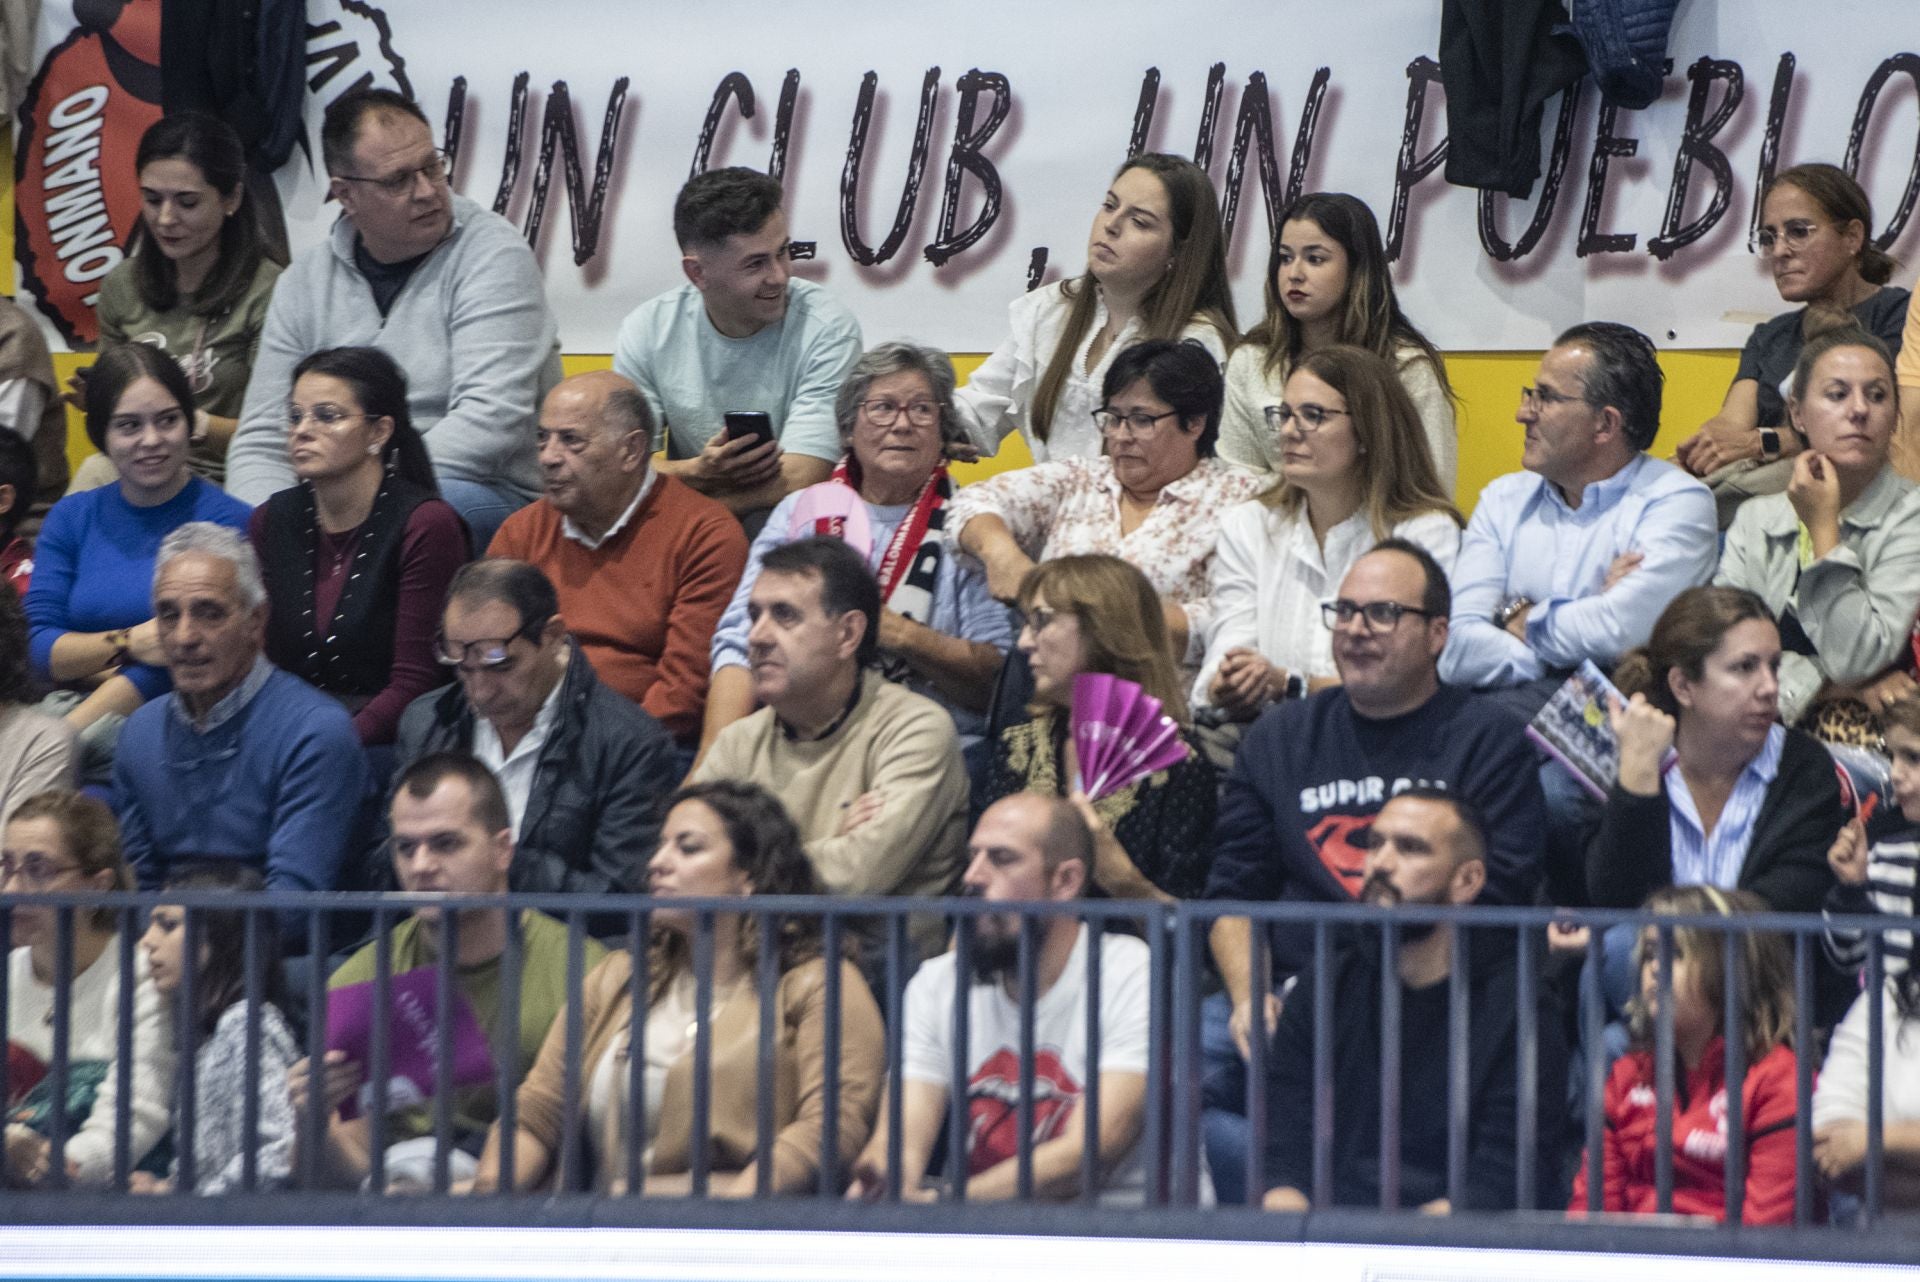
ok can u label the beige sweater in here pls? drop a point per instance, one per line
(799, 1098)
(897, 742)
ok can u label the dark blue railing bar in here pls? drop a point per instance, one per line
(57, 1119)
(1090, 1168)
(1664, 1089)
(1458, 1069)
(829, 1176)
(958, 1067)
(123, 1154)
(250, 1063)
(639, 983)
(1023, 1106)
(449, 947)
(1389, 1066)
(379, 1052)
(1526, 1122)
(506, 1054)
(895, 1053)
(1734, 1039)
(700, 1150)
(767, 982)
(1874, 1192)
(572, 1158)
(1323, 1086)
(1259, 984)
(1803, 1180)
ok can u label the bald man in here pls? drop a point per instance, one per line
(642, 563)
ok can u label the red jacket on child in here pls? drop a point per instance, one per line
(1699, 1138)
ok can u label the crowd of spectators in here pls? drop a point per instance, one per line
(362, 594)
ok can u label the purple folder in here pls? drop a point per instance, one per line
(414, 1038)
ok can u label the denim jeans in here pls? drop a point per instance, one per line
(482, 507)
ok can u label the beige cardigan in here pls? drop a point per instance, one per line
(798, 1086)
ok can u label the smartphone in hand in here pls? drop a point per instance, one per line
(754, 423)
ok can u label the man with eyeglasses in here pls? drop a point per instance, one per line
(740, 336)
(584, 770)
(1575, 557)
(1311, 776)
(643, 564)
(445, 286)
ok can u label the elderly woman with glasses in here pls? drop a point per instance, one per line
(1154, 498)
(891, 498)
(357, 556)
(1354, 468)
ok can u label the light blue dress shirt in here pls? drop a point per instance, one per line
(1716, 858)
(1524, 540)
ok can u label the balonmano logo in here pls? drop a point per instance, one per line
(76, 195)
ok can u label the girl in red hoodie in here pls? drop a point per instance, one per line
(1765, 989)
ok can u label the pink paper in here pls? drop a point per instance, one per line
(414, 1037)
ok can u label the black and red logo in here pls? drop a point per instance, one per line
(76, 196)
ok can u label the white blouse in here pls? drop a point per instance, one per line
(998, 398)
(1072, 506)
(1270, 576)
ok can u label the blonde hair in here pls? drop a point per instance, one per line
(1394, 461)
(1122, 623)
(1763, 965)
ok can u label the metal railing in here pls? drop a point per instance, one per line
(1170, 1134)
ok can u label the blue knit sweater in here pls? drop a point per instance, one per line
(93, 565)
(278, 785)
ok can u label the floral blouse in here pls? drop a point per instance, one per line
(1071, 507)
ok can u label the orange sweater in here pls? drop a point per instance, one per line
(643, 605)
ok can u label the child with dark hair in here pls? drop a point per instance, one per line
(1875, 858)
(216, 1024)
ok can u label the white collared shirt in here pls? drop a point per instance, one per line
(574, 532)
(515, 770)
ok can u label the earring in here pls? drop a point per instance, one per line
(373, 449)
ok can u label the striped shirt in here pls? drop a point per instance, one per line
(1715, 858)
(1893, 874)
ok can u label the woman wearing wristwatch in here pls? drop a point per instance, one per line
(90, 606)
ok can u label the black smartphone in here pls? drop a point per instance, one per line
(754, 423)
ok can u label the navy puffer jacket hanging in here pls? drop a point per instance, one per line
(1626, 46)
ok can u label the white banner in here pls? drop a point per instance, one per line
(935, 158)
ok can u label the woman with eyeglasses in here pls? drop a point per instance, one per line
(1816, 236)
(1152, 838)
(91, 601)
(65, 843)
(357, 556)
(891, 497)
(1354, 469)
(1328, 281)
(196, 281)
(1837, 557)
(1154, 498)
(1156, 270)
